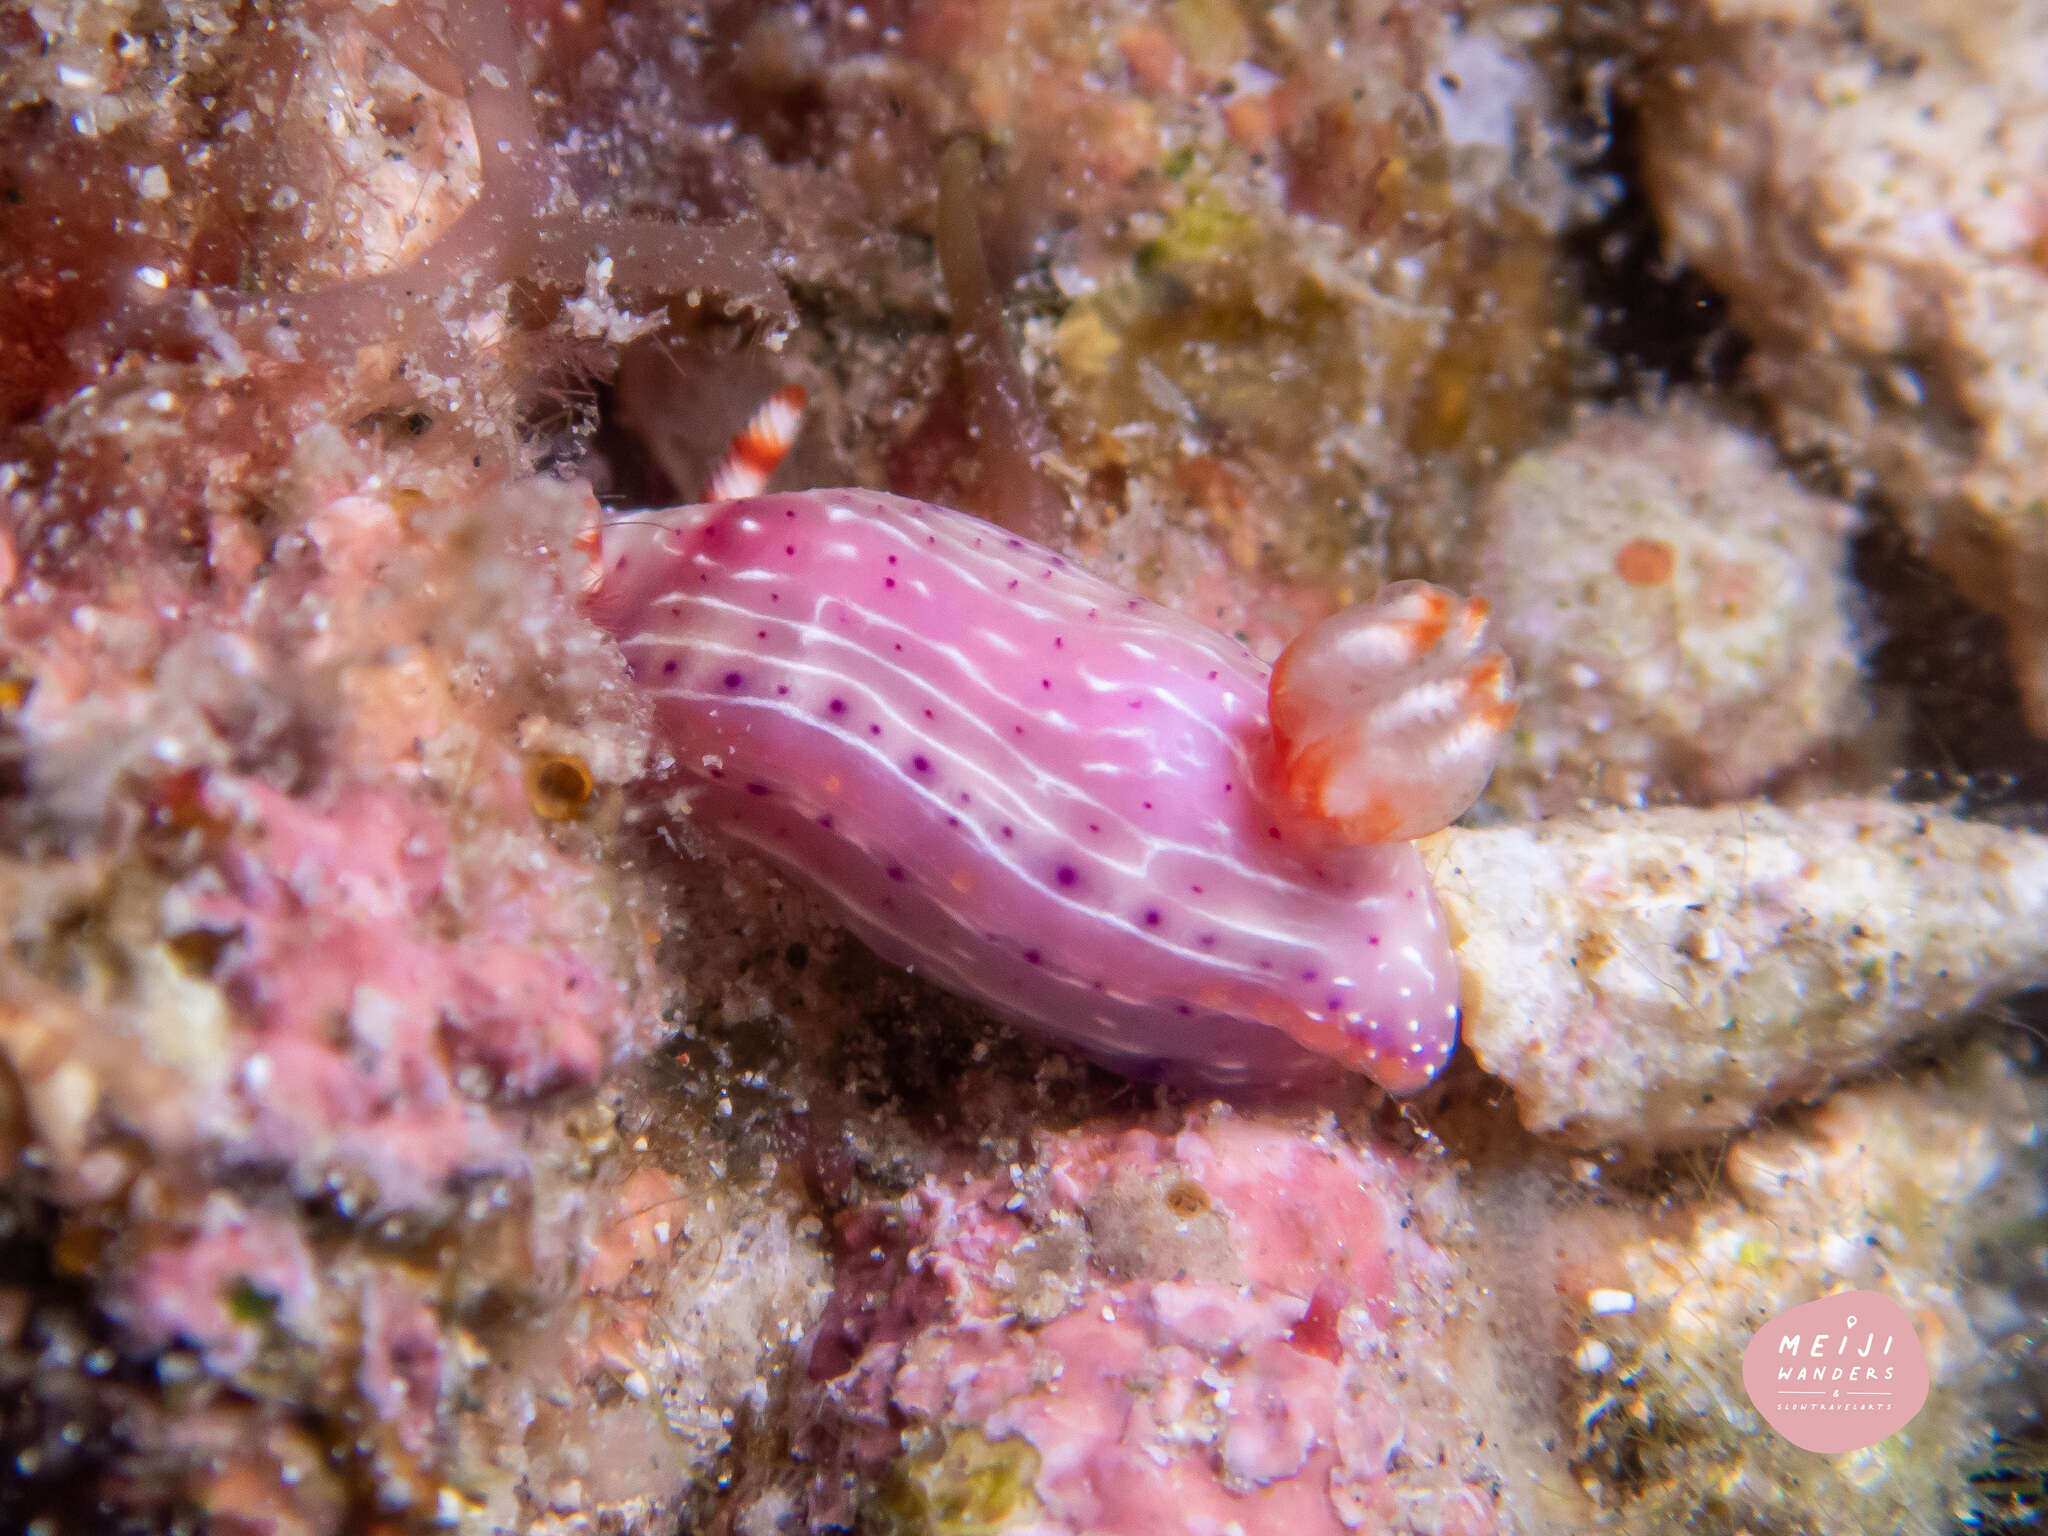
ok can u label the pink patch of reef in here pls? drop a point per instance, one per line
(1235, 1327)
(376, 1043)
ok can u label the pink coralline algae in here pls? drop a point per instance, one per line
(1060, 799)
(381, 1046)
(222, 1286)
(1234, 1328)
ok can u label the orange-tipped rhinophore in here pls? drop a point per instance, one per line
(758, 447)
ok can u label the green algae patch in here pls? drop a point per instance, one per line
(960, 1484)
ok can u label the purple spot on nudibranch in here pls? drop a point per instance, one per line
(825, 821)
(1272, 831)
(929, 715)
(892, 559)
(790, 513)
(888, 581)
(1186, 1010)
(874, 730)
(965, 798)
(895, 871)
(1032, 955)
(668, 668)
(733, 679)
(1045, 682)
(1308, 975)
(1008, 833)
(760, 634)
(952, 821)
(837, 706)
(1016, 543)
(1067, 874)
(1207, 941)
(1374, 940)
(1013, 584)
(1152, 918)
(1334, 1004)
(921, 764)
(782, 687)
(757, 789)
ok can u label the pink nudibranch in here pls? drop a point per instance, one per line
(1064, 801)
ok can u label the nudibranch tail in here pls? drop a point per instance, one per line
(1388, 716)
(759, 447)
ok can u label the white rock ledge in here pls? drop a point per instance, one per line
(1659, 977)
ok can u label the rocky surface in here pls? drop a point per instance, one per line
(1678, 610)
(1862, 183)
(1886, 1188)
(1670, 974)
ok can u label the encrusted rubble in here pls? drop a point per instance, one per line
(1244, 1323)
(1862, 182)
(1677, 608)
(1888, 1187)
(1661, 977)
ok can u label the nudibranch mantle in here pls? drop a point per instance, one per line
(1027, 785)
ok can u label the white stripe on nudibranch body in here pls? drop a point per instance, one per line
(1066, 802)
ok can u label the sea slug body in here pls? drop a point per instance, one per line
(1064, 801)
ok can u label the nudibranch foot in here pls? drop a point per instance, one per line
(1031, 787)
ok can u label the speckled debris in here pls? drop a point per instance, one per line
(1662, 976)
